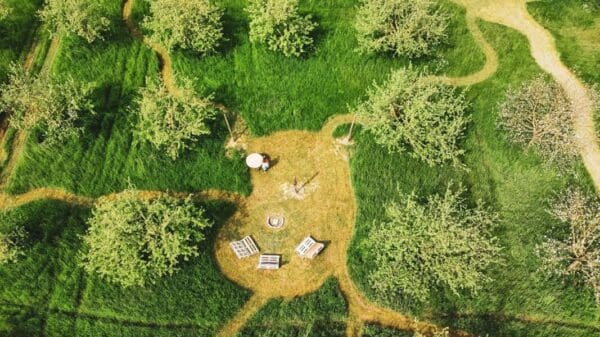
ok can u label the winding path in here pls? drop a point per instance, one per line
(511, 13)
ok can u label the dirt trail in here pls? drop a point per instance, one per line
(8, 201)
(514, 14)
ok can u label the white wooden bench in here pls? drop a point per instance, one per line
(309, 248)
(244, 248)
(269, 261)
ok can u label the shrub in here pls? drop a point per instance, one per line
(278, 24)
(414, 113)
(54, 105)
(538, 116)
(424, 247)
(80, 17)
(10, 245)
(412, 28)
(579, 252)
(132, 241)
(170, 122)
(195, 25)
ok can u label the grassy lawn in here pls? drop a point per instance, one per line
(320, 314)
(513, 183)
(47, 293)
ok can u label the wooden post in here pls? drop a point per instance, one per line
(228, 126)
(296, 184)
(351, 128)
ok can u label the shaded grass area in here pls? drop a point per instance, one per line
(17, 32)
(321, 313)
(273, 92)
(48, 293)
(378, 331)
(513, 183)
(108, 157)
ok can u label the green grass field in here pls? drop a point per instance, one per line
(48, 294)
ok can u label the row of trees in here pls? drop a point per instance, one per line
(408, 28)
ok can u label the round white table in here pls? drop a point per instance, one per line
(254, 160)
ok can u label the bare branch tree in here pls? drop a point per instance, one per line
(538, 116)
(580, 251)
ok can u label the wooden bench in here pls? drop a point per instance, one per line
(269, 261)
(244, 248)
(309, 248)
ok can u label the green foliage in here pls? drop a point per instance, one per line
(133, 242)
(80, 17)
(4, 9)
(168, 121)
(54, 105)
(420, 248)
(404, 28)
(194, 25)
(10, 245)
(278, 24)
(411, 112)
(537, 115)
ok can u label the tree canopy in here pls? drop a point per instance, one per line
(421, 248)
(171, 122)
(278, 24)
(80, 17)
(411, 112)
(195, 24)
(55, 105)
(132, 241)
(538, 116)
(579, 251)
(10, 245)
(410, 28)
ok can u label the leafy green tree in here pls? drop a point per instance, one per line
(278, 24)
(194, 24)
(170, 122)
(421, 248)
(10, 245)
(55, 105)
(80, 17)
(579, 252)
(411, 112)
(411, 28)
(538, 116)
(133, 241)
